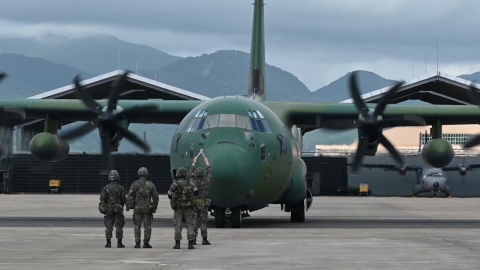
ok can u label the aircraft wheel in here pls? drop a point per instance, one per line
(297, 213)
(236, 217)
(219, 217)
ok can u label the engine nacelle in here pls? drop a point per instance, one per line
(437, 153)
(373, 142)
(48, 148)
(115, 138)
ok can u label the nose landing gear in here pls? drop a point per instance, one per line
(234, 214)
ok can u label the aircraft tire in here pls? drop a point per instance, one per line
(236, 217)
(219, 217)
(297, 214)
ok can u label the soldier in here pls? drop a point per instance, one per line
(202, 203)
(182, 194)
(112, 200)
(143, 198)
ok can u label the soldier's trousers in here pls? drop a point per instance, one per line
(188, 215)
(147, 219)
(201, 220)
(116, 218)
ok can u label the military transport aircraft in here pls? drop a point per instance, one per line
(253, 145)
(437, 155)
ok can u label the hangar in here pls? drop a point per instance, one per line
(137, 88)
(439, 89)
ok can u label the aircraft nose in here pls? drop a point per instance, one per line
(233, 174)
(436, 185)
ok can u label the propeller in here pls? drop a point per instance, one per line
(6, 113)
(474, 95)
(109, 119)
(370, 123)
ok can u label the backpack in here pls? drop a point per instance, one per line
(183, 195)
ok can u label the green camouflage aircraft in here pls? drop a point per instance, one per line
(254, 146)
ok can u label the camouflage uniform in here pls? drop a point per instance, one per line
(112, 200)
(187, 212)
(145, 198)
(202, 202)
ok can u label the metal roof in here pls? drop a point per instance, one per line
(437, 89)
(100, 86)
(137, 88)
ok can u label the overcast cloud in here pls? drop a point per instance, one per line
(318, 41)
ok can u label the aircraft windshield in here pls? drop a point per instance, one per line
(255, 122)
(435, 174)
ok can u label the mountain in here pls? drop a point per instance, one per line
(471, 77)
(224, 73)
(98, 54)
(337, 90)
(28, 76)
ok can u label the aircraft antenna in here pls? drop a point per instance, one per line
(118, 57)
(137, 68)
(413, 70)
(425, 62)
(437, 56)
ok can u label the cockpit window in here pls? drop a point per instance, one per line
(227, 120)
(212, 121)
(436, 174)
(255, 122)
(243, 122)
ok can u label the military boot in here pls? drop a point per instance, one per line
(177, 244)
(205, 241)
(194, 241)
(109, 243)
(119, 244)
(146, 245)
(137, 245)
(190, 244)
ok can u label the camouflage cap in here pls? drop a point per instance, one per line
(142, 171)
(113, 175)
(199, 172)
(181, 172)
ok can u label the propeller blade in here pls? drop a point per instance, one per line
(80, 131)
(361, 149)
(473, 142)
(382, 104)
(357, 98)
(3, 75)
(133, 138)
(85, 97)
(136, 110)
(118, 87)
(105, 140)
(474, 94)
(386, 143)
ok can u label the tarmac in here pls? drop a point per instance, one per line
(66, 232)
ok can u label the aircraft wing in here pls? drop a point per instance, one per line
(318, 115)
(163, 111)
(389, 167)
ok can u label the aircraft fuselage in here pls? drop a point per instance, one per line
(249, 148)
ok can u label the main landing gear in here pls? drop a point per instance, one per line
(234, 214)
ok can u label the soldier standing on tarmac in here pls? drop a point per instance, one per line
(112, 200)
(202, 203)
(182, 194)
(143, 198)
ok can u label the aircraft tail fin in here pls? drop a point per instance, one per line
(256, 81)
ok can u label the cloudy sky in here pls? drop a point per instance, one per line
(318, 41)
